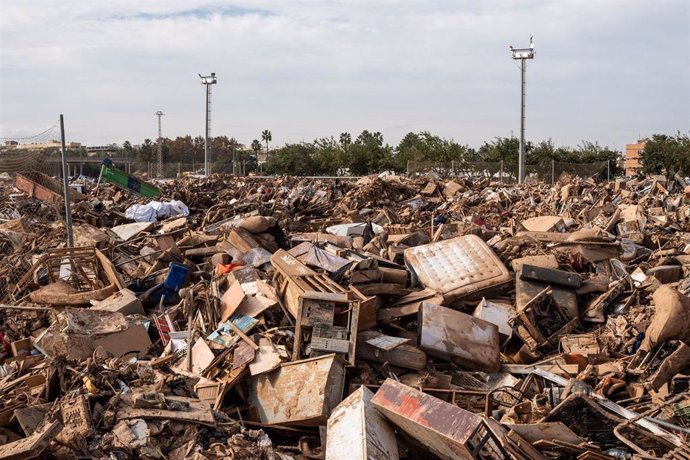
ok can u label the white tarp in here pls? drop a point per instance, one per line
(156, 210)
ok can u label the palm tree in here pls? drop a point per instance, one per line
(256, 147)
(266, 137)
(345, 139)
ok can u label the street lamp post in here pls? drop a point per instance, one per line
(207, 80)
(522, 54)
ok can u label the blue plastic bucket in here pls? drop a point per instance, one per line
(177, 275)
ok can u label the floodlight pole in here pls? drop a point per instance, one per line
(522, 54)
(208, 81)
(208, 122)
(521, 166)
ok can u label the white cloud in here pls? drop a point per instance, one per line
(604, 70)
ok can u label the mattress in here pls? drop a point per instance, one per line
(463, 267)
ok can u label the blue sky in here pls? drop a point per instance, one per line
(605, 70)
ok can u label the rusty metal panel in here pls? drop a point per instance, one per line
(456, 268)
(467, 341)
(441, 427)
(357, 430)
(38, 185)
(299, 393)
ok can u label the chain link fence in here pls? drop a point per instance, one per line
(89, 166)
(508, 172)
(13, 162)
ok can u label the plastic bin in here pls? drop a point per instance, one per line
(177, 275)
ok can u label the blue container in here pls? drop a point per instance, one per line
(177, 275)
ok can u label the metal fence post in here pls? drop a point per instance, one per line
(608, 170)
(553, 171)
(65, 185)
(500, 173)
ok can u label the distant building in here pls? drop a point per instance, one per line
(633, 152)
(94, 150)
(54, 144)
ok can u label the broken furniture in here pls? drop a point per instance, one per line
(72, 277)
(294, 279)
(326, 323)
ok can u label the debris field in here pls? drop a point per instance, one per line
(379, 318)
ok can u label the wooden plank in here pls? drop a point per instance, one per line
(242, 240)
(202, 252)
(525, 369)
(546, 237)
(391, 289)
(167, 242)
(31, 446)
(243, 336)
(199, 412)
(387, 314)
(367, 309)
(289, 266)
(30, 418)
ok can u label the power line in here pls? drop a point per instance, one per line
(48, 134)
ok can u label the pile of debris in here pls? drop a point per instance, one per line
(382, 318)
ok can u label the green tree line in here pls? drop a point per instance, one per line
(368, 153)
(666, 154)
(189, 150)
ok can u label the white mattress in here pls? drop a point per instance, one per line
(456, 268)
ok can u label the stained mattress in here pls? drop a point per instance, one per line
(458, 268)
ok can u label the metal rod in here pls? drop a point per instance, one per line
(65, 184)
(14, 307)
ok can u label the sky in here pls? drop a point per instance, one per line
(605, 70)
